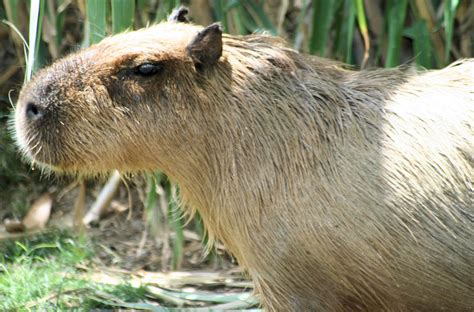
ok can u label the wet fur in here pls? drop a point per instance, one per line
(336, 189)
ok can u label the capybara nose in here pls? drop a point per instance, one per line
(33, 111)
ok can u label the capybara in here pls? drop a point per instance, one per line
(336, 189)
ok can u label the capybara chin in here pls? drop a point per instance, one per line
(336, 189)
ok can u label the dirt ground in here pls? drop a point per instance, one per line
(125, 238)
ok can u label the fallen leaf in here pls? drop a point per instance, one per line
(13, 226)
(118, 206)
(39, 213)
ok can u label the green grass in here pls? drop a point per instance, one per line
(42, 273)
(33, 269)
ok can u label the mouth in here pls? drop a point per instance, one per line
(33, 155)
(40, 156)
(31, 147)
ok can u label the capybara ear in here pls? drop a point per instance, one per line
(206, 47)
(179, 15)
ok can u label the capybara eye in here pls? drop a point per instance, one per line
(148, 69)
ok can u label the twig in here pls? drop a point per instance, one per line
(103, 200)
(79, 207)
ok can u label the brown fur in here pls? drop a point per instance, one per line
(336, 189)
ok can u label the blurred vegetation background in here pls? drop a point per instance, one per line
(363, 33)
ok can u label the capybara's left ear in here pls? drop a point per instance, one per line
(179, 15)
(206, 47)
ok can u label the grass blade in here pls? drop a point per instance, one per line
(237, 18)
(450, 7)
(346, 22)
(16, 23)
(396, 19)
(349, 29)
(220, 12)
(36, 18)
(203, 296)
(323, 14)
(154, 206)
(260, 17)
(176, 224)
(123, 12)
(11, 10)
(421, 43)
(248, 23)
(424, 10)
(96, 23)
(362, 22)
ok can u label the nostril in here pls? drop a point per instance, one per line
(33, 111)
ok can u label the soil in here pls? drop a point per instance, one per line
(125, 239)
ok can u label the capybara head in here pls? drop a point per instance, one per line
(81, 113)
